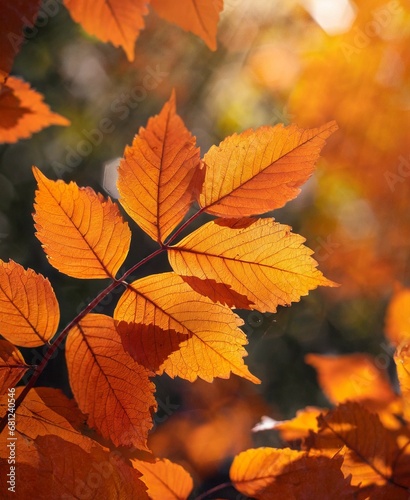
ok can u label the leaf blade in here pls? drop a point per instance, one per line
(257, 258)
(29, 311)
(257, 171)
(83, 235)
(158, 172)
(12, 366)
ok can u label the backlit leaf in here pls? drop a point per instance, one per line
(398, 317)
(157, 173)
(198, 16)
(214, 343)
(15, 14)
(115, 22)
(23, 112)
(12, 366)
(353, 377)
(82, 234)
(257, 258)
(370, 451)
(108, 385)
(29, 312)
(258, 171)
(57, 468)
(276, 474)
(164, 479)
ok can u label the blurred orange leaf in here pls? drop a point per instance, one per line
(23, 112)
(402, 359)
(198, 16)
(257, 171)
(353, 377)
(276, 474)
(115, 22)
(15, 14)
(258, 258)
(214, 343)
(82, 234)
(29, 311)
(370, 451)
(12, 366)
(108, 385)
(398, 317)
(157, 173)
(164, 479)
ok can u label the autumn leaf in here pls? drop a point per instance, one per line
(258, 171)
(258, 258)
(82, 234)
(353, 377)
(115, 22)
(15, 15)
(398, 317)
(214, 343)
(57, 468)
(164, 479)
(370, 452)
(29, 311)
(46, 411)
(158, 174)
(23, 111)
(275, 474)
(12, 366)
(108, 385)
(198, 16)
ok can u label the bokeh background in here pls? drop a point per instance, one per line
(296, 61)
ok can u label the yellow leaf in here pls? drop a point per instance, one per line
(164, 479)
(214, 343)
(257, 171)
(157, 175)
(108, 385)
(257, 258)
(29, 312)
(398, 317)
(83, 235)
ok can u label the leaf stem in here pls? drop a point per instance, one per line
(213, 490)
(182, 227)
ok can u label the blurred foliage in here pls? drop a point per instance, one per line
(274, 64)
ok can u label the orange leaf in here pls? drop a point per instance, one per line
(369, 450)
(198, 16)
(115, 22)
(46, 411)
(56, 468)
(29, 312)
(214, 345)
(157, 173)
(149, 345)
(108, 385)
(402, 359)
(257, 171)
(398, 317)
(23, 112)
(276, 474)
(83, 235)
(353, 377)
(164, 479)
(12, 366)
(257, 258)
